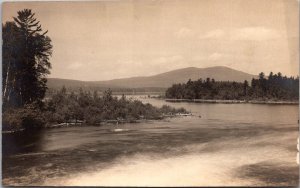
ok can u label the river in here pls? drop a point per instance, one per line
(221, 145)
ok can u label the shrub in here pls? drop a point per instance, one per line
(28, 117)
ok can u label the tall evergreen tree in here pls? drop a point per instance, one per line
(26, 60)
(12, 48)
(246, 85)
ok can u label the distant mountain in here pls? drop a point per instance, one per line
(164, 80)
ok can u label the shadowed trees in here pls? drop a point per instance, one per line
(25, 63)
(26, 53)
(92, 109)
(275, 87)
(11, 59)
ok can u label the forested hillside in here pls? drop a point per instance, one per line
(274, 87)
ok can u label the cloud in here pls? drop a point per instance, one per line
(167, 59)
(246, 33)
(75, 66)
(214, 34)
(215, 56)
(184, 33)
(254, 33)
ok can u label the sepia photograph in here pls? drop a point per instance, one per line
(160, 93)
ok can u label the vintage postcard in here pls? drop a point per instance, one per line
(150, 93)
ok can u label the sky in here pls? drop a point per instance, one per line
(103, 40)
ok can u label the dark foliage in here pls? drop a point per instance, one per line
(27, 117)
(26, 52)
(275, 87)
(92, 108)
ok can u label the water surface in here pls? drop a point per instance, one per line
(222, 145)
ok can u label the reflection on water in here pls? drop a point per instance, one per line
(21, 142)
(231, 144)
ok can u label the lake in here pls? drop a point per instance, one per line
(221, 145)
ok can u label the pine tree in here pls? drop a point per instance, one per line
(25, 76)
(12, 48)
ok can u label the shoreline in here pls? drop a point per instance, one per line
(102, 123)
(114, 122)
(217, 101)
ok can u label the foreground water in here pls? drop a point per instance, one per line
(231, 144)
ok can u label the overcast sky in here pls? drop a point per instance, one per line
(116, 39)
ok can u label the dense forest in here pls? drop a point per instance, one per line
(273, 87)
(26, 63)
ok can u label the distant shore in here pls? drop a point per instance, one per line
(232, 101)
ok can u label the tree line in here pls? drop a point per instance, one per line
(273, 87)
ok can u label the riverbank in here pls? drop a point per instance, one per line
(116, 121)
(104, 122)
(119, 121)
(233, 101)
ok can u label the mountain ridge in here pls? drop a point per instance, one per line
(162, 80)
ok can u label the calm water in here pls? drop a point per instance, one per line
(231, 144)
